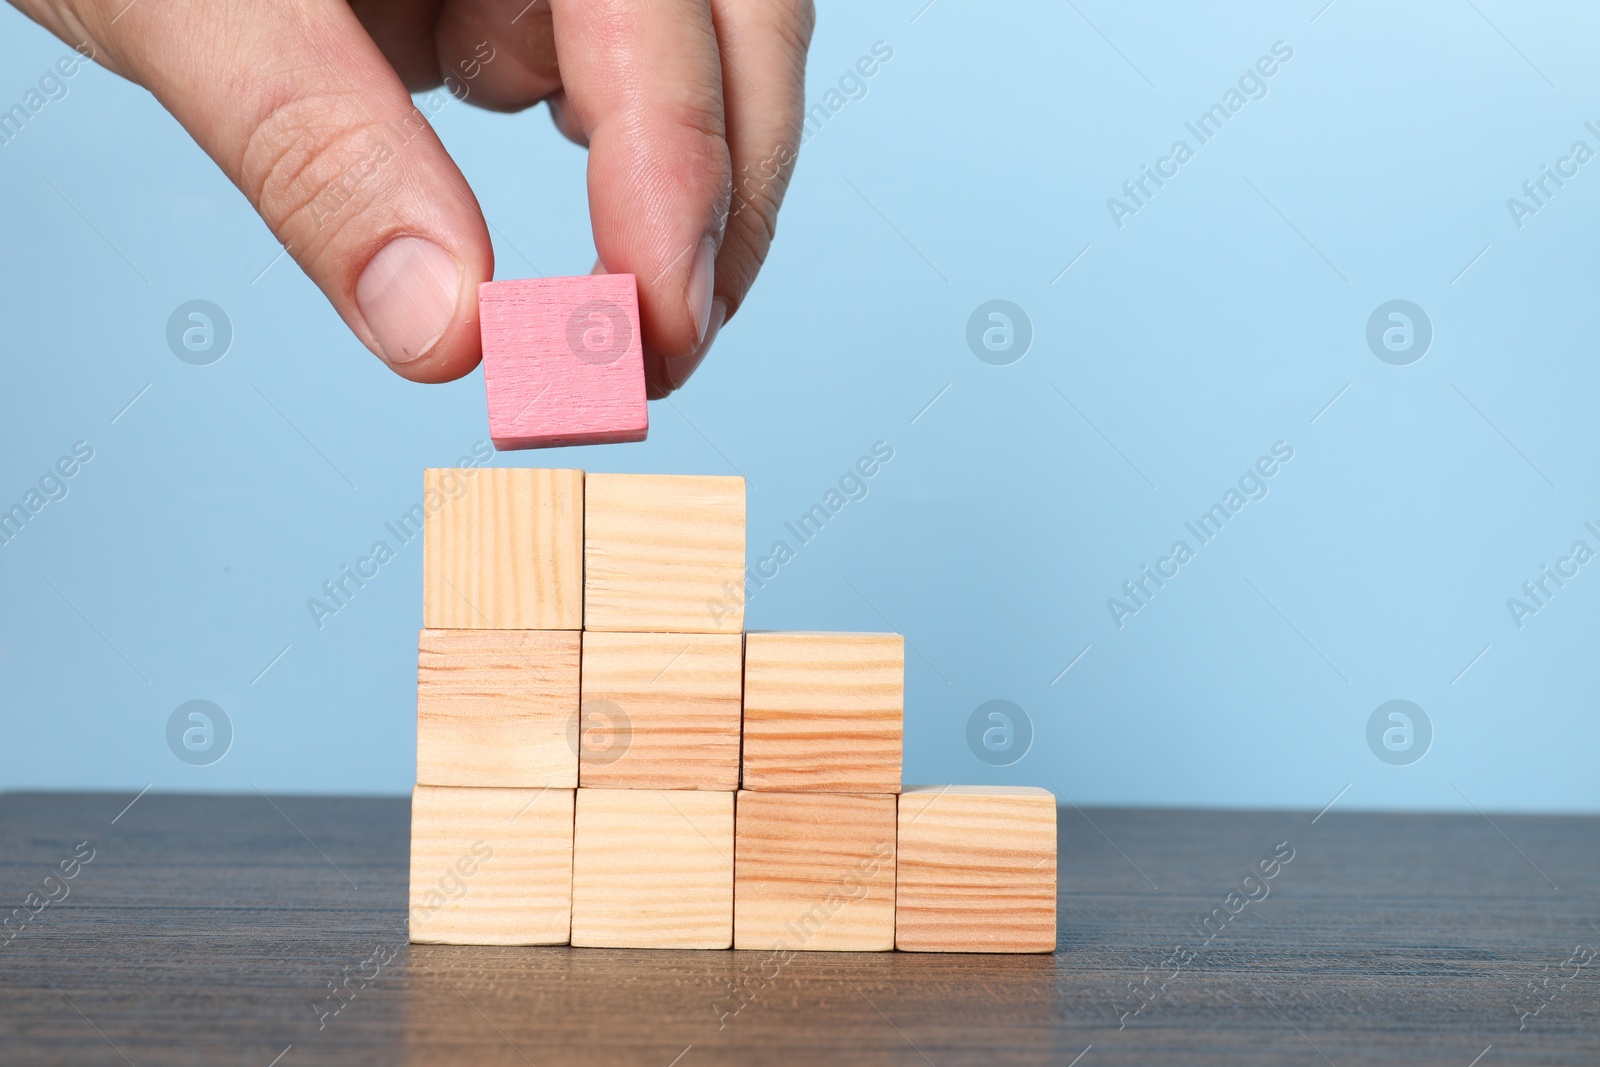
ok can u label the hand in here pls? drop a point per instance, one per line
(691, 110)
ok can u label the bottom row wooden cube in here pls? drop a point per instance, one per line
(977, 869)
(814, 871)
(491, 866)
(653, 868)
(937, 869)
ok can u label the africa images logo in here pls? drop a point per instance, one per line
(599, 332)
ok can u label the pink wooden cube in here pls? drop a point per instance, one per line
(562, 361)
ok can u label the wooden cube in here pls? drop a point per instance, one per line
(491, 866)
(653, 869)
(661, 711)
(498, 707)
(503, 549)
(663, 553)
(823, 711)
(814, 871)
(976, 869)
(562, 361)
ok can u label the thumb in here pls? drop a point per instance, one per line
(299, 108)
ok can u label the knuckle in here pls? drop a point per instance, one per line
(752, 223)
(794, 21)
(610, 24)
(743, 251)
(312, 163)
(698, 123)
(755, 209)
(683, 145)
(790, 23)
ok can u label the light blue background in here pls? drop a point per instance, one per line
(1221, 318)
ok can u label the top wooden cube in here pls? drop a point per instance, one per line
(562, 361)
(663, 553)
(502, 549)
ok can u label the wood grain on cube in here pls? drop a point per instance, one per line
(491, 866)
(823, 711)
(503, 549)
(498, 707)
(660, 711)
(976, 869)
(814, 871)
(664, 553)
(653, 869)
(562, 361)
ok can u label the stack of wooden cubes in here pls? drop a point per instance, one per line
(606, 758)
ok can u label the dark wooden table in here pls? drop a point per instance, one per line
(211, 930)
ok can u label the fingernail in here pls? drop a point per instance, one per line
(701, 281)
(408, 295)
(678, 368)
